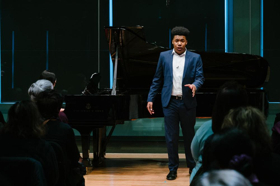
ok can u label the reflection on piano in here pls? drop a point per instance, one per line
(135, 62)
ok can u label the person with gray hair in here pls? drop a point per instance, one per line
(38, 87)
(222, 178)
(42, 85)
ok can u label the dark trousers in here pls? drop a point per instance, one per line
(174, 114)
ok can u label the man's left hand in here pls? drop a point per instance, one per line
(192, 87)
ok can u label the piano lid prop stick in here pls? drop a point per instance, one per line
(115, 72)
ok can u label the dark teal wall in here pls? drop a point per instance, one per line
(246, 26)
(157, 19)
(72, 28)
(271, 46)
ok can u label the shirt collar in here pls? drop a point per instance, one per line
(181, 55)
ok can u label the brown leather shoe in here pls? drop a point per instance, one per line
(172, 175)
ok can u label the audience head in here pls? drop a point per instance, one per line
(49, 104)
(39, 86)
(251, 120)
(181, 31)
(230, 149)
(48, 76)
(2, 120)
(24, 120)
(222, 178)
(230, 95)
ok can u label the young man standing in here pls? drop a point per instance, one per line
(179, 74)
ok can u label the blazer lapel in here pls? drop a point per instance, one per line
(170, 58)
(187, 60)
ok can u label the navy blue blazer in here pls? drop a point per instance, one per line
(193, 74)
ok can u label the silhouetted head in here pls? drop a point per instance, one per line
(230, 149)
(253, 122)
(49, 103)
(24, 120)
(230, 95)
(222, 178)
(48, 76)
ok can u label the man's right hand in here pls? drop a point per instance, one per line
(150, 108)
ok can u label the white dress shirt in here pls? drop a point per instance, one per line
(178, 70)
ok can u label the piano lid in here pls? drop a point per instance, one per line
(138, 61)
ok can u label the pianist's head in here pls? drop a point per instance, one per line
(24, 120)
(49, 103)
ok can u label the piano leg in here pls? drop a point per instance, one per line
(85, 148)
(99, 145)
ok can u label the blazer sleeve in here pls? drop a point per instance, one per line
(199, 77)
(157, 81)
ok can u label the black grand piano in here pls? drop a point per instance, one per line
(135, 62)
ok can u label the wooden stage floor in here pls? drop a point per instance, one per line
(135, 169)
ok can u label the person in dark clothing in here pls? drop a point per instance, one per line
(179, 75)
(40, 86)
(49, 103)
(21, 137)
(252, 121)
(230, 95)
(230, 148)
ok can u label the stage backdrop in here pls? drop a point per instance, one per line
(271, 47)
(64, 35)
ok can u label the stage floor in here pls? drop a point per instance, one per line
(135, 169)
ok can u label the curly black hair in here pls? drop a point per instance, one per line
(180, 30)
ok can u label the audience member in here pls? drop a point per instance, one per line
(21, 137)
(49, 76)
(40, 86)
(230, 149)
(49, 103)
(230, 95)
(252, 120)
(222, 178)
